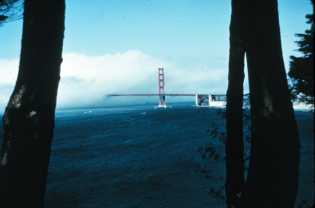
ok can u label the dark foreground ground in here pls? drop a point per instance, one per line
(141, 157)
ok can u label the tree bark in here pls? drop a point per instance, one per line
(273, 171)
(29, 117)
(234, 113)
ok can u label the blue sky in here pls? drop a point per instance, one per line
(188, 37)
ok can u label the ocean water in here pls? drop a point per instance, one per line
(143, 157)
(136, 156)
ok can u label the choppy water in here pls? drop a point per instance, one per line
(141, 157)
(130, 157)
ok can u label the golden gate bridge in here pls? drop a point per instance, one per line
(201, 100)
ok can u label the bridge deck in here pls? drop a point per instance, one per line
(162, 94)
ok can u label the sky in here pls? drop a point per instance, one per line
(116, 47)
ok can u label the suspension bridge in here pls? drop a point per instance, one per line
(201, 100)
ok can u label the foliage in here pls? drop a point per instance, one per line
(213, 151)
(11, 10)
(302, 67)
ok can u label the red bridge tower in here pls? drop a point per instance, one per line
(161, 79)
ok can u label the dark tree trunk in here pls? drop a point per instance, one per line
(234, 114)
(273, 171)
(29, 116)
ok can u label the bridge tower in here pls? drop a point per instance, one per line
(161, 88)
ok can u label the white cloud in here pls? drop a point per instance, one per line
(86, 79)
(8, 73)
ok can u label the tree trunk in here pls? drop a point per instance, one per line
(273, 172)
(29, 117)
(234, 113)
